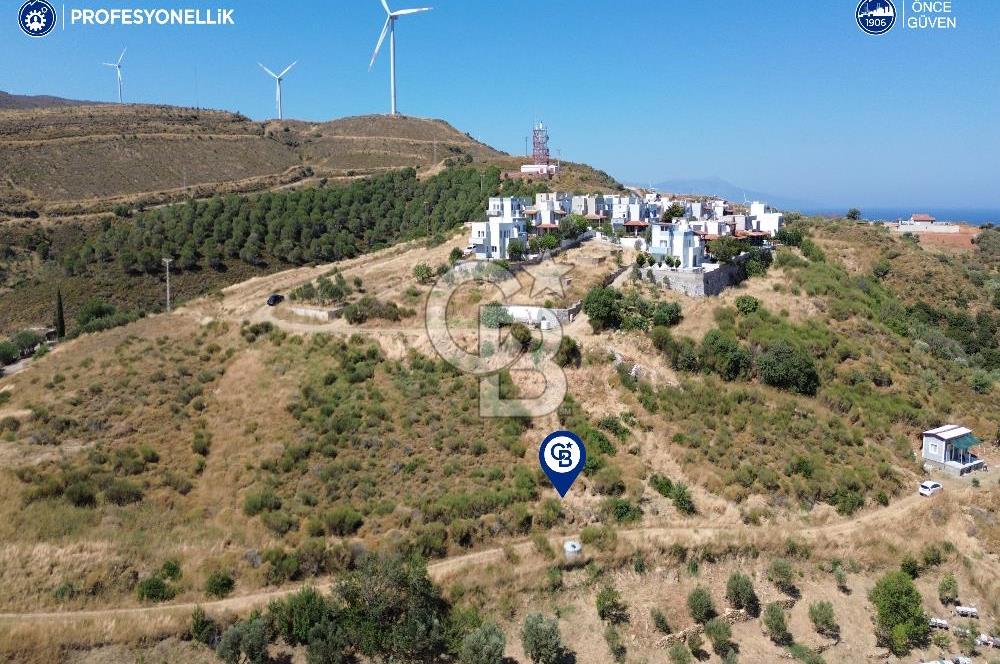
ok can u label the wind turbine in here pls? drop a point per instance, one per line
(118, 72)
(390, 27)
(277, 81)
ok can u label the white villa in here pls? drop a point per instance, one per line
(948, 448)
(679, 240)
(505, 221)
(632, 215)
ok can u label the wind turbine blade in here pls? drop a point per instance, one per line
(122, 55)
(404, 12)
(288, 69)
(386, 5)
(109, 64)
(268, 70)
(381, 38)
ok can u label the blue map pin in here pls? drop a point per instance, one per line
(562, 456)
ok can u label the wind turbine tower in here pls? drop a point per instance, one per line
(118, 72)
(390, 28)
(277, 83)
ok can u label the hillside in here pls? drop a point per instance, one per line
(142, 462)
(9, 101)
(81, 159)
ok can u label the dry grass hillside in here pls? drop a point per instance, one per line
(234, 438)
(70, 160)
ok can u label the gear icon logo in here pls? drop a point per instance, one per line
(36, 18)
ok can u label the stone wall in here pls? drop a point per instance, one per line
(695, 283)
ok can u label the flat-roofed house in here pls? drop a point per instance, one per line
(949, 448)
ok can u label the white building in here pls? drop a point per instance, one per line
(948, 448)
(505, 221)
(549, 208)
(767, 219)
(678, 240)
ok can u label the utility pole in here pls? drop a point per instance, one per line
(481, 176)
(167, 262)
(526, 146)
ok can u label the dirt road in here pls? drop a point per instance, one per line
(689, 530)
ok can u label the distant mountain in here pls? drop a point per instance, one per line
(22, 102)
(715, 186)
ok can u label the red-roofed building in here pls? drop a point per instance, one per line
(920, 217)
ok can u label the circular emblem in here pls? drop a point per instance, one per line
(36, 18)
(561, 452)
(876, 17)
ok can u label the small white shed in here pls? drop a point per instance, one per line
(949, 448)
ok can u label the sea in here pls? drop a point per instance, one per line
(971, 216)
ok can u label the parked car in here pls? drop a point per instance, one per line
(963, 660)
(939, 661)
(929, 488)
(275, 299)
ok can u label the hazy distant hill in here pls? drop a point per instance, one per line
(76, 159)
(9, 101)
(716, 186)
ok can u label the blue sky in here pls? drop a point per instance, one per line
(783, 97)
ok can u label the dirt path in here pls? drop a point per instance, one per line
(441, 569)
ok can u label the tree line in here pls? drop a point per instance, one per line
(293, 227)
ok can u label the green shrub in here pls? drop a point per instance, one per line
(622, 510)
(122, 492)
(295, 616)
(170, 569)
(610, 607)
(910, 565)
(784, 366)
(781, 574)
(659, 620)
(483, 645)
(8, 352)
(899, 615)
(666, 314)
(568, 353)
(81, 494)
(679, 654)
(948, 589)
(615, 644)
(740, 593)
(203, 629)
(700, 605)
(823, 619)
(260, 501)
(541, 640)
(155, 589)
(747, 304)
(719, 633)
(777, 627)
(343, 520)
(219, 584)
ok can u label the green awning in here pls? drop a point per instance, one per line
(965, 442)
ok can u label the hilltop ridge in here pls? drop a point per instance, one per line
(78, 159)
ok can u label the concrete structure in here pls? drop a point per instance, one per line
(948, 448)
(925, 223)
(679, 240)
(505, 221)
(766, 218)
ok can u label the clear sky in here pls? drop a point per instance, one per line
(783, 97)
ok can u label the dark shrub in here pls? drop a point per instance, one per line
(219, 584)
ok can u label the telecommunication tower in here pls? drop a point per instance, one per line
(540, 142)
